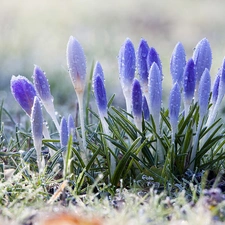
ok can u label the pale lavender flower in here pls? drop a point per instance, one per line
(127, 62)
(142, 66)
(63, 132)
(204, 93)
(177, 63)
(99, 90)
(71, 127)
(155, 93)
(189, 84)
(145, 108)
(42, 88)
(37, 129)
(76, 63)
(137, 103)
(174, 108)
(77, 69)
(202, 57)
(152, 57)
(24, 92)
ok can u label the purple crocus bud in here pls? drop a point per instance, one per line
(204, 93)
(99, 71)
(145, 108)
(174, 108)
(43, 91)
(71, 126)
(142, 66)
(215, 90)
(177, 63)
(76, 63)
(99, 91)
(63, 132)
(155, 92)
(202, 57)
(24, 92)
(137, 100)
(221, 90)
(41, 85)
(127, 62)
(37, 129)
(189, 82)
(152, 57)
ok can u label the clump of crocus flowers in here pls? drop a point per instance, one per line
(141, 77)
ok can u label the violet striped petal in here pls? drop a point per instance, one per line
(155, 91)
(202, 57)
(76, 63)
(204, 93)
(126, 62)
(177, 63)
(145, 108)
(63, 132)
(100, 95)
(142, 66)
(189, 81)
(137, 99)
(152, 57)
(23, 91)
(174, 106)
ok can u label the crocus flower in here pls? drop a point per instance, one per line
(202, 57)
(145, 108)
(155, 93)
(101, 100)
(71, 127)
(137, 103)
(99, 90)
(63, 132)
(177, 63)
(189, 84)
(152, 57)
(43, 91)
(77, 69)
(142, 66)
(174, 108)
(24, 92)
(204, 93)
(126, 62)
(217, 94)
(37, 127)
(76, 63)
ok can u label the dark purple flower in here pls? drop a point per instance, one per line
(137, 99)
(63, 132)
(41, 85)
(76, 64)
(177, 63)
(145, 108)
(142, 67)
(99, 90)
(155, 91)
(204, 92)
(202, 57)
(127, 61)
(174, 107)
(24, 92)
(189, 81)
(152, 57)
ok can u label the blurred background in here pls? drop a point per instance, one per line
(37, 32)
